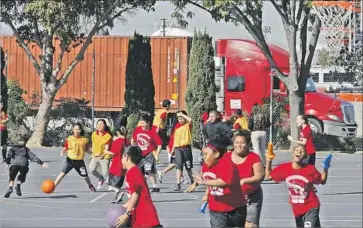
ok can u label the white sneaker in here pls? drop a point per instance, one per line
(100, 183)
(160, 176)
(183, 181)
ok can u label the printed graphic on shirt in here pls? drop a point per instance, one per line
(215, 191)
(143, 141)
(297, 188)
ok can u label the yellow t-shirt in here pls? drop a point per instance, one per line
(182, 135)
(242, 122)
(99, 141)
(76, 147)
(159, 120)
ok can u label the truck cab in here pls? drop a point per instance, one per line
(245, 79)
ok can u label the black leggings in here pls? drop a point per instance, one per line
(15, 169)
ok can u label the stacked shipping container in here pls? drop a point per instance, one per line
(169, 65)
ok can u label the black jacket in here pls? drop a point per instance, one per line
(19, 154)
(216, 129)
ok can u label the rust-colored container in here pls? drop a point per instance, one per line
(169, 56)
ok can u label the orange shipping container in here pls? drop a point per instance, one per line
(169, 56)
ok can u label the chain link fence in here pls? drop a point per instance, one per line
(96, 89)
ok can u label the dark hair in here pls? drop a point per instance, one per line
(107, 128)
(80, 127)
(184, 112)
(305, 118)
(219, 144)
(238, 112)
(122, 130)
(244, 133)
(134, 153)
(146, 118)
(166, 103)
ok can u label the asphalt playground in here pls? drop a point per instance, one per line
(73, 205)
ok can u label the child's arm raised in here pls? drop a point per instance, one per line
(326, 166)
(268, 169)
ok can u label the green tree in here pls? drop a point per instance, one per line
(4, 87)
(17, 109)
(325, 59)
(200, 75)
(72, 24)
(352, 63)
(295, 16)
(140, 90)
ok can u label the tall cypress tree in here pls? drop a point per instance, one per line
(140, 90)
(201, 92)
(4, 87)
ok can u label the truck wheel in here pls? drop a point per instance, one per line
(315, 125)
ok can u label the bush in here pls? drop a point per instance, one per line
(68, 112)
(280, 121)
(17, 110)
(132, 121)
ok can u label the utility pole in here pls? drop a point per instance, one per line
(164, 25)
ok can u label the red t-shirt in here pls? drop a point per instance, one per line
(147, 140)
(307, 134)
(228, 198)
(245, 170)
(117, 149)
(300, 183)
(144, 213)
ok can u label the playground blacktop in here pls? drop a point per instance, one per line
(73, 205)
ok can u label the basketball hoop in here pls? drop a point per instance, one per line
(334, 16)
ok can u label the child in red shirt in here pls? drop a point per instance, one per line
(300, 179)
(116, 173)
(306, 138)
(141, 211)
(251, 174)
(148, 140)
(227, 204)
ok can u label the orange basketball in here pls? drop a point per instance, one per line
(48, 186)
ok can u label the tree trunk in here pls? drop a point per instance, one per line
(42, 119)
(296, 102)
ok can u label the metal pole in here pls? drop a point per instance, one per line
(271, 100)
(93, 87)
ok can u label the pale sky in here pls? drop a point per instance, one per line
(147, 23)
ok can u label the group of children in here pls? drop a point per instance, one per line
(233, 178)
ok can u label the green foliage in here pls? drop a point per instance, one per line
(220, 10)
(72, 23)
(4, 87)
(352, 63)
(63, 116)
(132, 121)
(67, 19)
(201, 75)
(17, 109)
(325, 59)
(140, 90)
(280, 119)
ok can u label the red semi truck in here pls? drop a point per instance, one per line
(246, 79)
